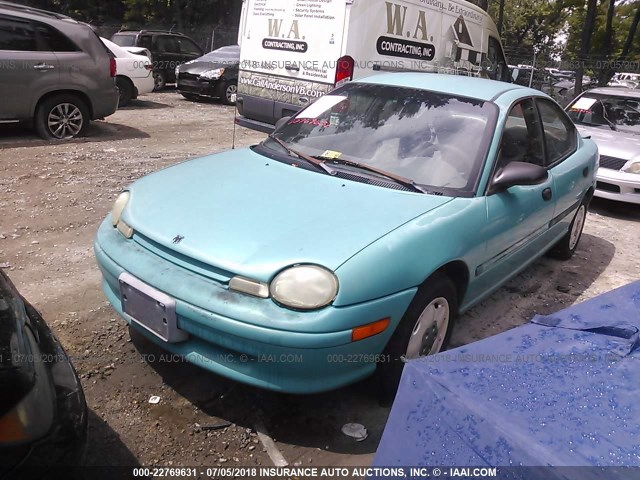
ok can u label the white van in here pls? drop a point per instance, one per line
(294, 51)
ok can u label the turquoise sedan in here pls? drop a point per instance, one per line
(351, 238)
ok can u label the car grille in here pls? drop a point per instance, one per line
(607, 187)
(612, 163)
(183, 261)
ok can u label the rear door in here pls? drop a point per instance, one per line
(290, 49)
(28, 69)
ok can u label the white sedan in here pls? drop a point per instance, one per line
(134, 73)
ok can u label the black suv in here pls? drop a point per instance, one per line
(168, 50)
(54, 72)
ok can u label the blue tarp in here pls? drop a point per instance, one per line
(563, 390)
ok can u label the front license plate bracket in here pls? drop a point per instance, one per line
(150, 309)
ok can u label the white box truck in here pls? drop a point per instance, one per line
(295, 51)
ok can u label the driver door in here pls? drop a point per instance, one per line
(518, 218)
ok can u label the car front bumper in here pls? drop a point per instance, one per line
(229, 332)
(616, 185)
(205, 88)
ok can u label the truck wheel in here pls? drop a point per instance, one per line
(125, 90)
(424, 330)
(62, 116)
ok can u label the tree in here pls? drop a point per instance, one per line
(585, 45)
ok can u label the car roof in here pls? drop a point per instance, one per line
(480, 88)
(619, 91)
(34, 13)
(136, 32)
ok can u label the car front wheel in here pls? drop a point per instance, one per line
(424, 330)
(228, 93)
(61, 117)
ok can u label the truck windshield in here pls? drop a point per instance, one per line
(430, 138)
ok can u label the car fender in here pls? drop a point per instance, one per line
(409, 255)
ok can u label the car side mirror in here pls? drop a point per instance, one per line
(281, 122)
(518, 173)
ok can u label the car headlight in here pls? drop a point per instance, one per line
(305, 287)
(118, 207)
(634, 168)
(177, 71)
(214, 74)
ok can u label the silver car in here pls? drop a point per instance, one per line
(55, 73)
(611, 116)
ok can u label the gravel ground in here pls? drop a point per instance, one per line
(53, 197)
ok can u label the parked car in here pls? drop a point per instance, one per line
(56, 72)
(352, 236)
(611, 116)
(43, 413)
(134, 73)
(168, 50)
(212, 75)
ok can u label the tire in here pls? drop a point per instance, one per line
(159, 81)
(190, 96)
(125, 89)
(228, 89)
(62, 117)
(567, 245)
(425, 329)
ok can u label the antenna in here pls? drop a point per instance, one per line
(234, 98)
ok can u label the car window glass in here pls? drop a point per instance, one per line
(559, 132)
(166, 44)
(51, 40)
(17, 35)
(522, 136)
(495, 64)
(145, 42)
(187, 46)
(124, 40)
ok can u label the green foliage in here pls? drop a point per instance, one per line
(138, 13)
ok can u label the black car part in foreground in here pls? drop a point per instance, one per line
(43, 412)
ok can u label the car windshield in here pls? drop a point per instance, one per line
(124, 40)
(432, 139)
(616, 112)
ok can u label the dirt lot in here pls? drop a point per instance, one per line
(52, 199)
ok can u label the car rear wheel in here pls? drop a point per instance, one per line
(227, 95)
(61, 117)
(566, 247)
(424, 330)
(125, 89)
(159, 81)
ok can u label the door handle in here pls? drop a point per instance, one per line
(547, 194)
(292, 68)
(43, 66)
(585, 172)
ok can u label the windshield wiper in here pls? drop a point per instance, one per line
(612, 126)
(317, 163)
(405, 182)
